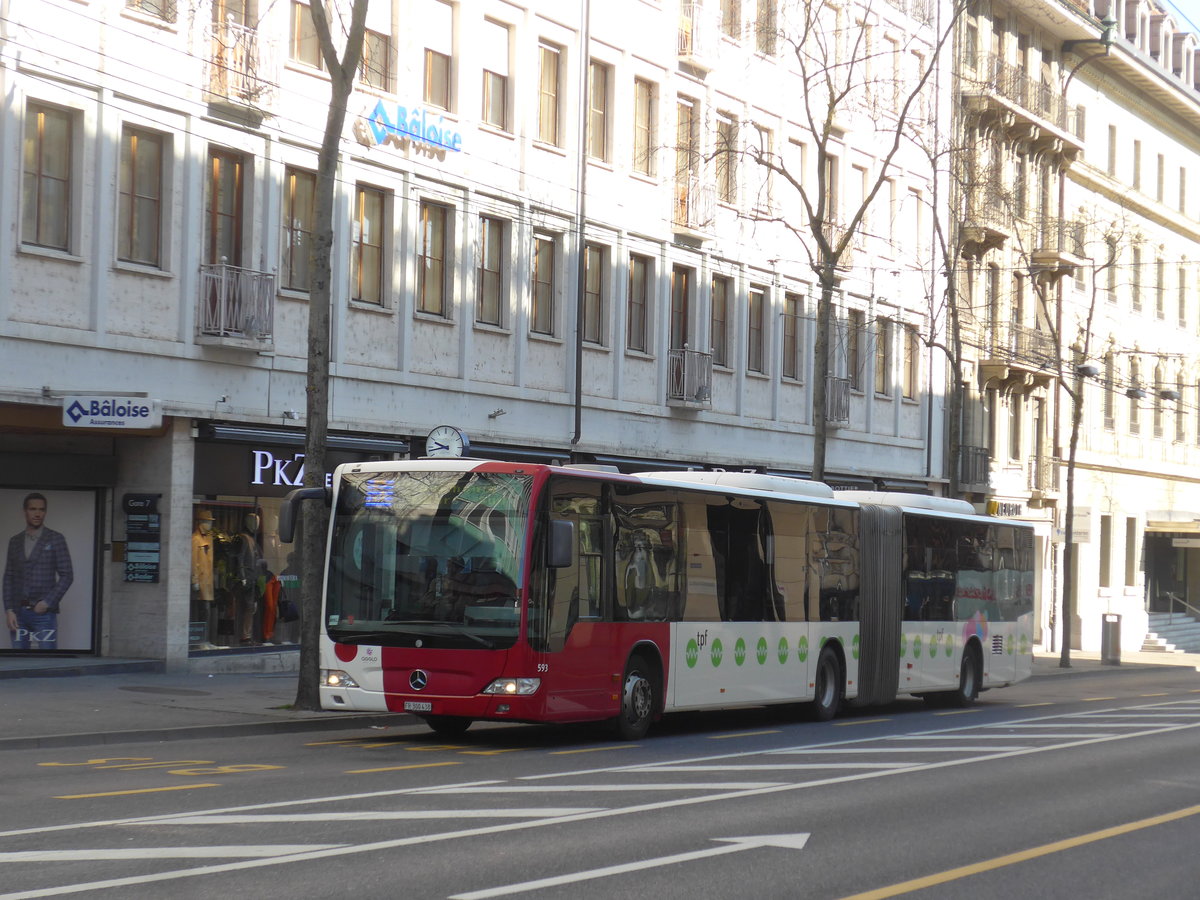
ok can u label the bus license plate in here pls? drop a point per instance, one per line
(418, 706)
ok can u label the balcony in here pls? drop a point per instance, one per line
(689, 380)
(695, 207)
(1031, 110)
(1057, 249)
(974, 468)
(236, 308)
(987, 221)
(1018, 358)
(697, 37)
(1043, 478)
(239, 63)
(835, 232)
(837, 400)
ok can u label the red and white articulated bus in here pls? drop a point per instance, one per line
(461, 589)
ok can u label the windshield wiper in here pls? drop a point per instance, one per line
(401, 631)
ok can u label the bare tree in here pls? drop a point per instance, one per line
(342, 74)
(848, 88)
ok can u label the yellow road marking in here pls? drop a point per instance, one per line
(493, 752)
(861, 722)
(957, 712)
(1163, 694)
(1031, 705)
(917, 884)
(331, 743)
(1097, 699)
(174, 787)
(592, 749)
(721, 737)
(400, 768)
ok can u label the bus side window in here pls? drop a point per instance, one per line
(575, 591)
(648, 578)
(790, 525)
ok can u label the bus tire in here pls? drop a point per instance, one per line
(639, 700)
(970, 677)
(827, 682)
(448, 726)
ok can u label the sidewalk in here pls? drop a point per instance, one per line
(111, 701)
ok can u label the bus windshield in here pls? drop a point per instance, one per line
(427, 558)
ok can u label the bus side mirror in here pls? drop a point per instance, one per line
(289, 512)
(560, 549)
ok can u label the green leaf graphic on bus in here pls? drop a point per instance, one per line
(739, 651)
(717, 653)
(761, 650)
(854, 645)
(801, 648)
(917, 647)
(783, 650)
(692, 654)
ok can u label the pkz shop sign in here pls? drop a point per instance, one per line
(280, 471)
(401, 125)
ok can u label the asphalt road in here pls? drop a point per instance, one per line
(1083, 786)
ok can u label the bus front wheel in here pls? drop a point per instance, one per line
(448, 726)
(969, 678)
(828, 687)
(639, 698)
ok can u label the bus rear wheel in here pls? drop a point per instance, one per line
(448, 726)
(828, 687)
(639, 700)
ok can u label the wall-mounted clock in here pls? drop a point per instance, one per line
(446, 440)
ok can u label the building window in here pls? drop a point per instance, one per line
(1135, 411)
(490, 277)
(792, 308)
(595, 260)
(883, 355)
(366, 251)
(731, 18)
(726, 150)
(722, 290)
(755, 312)
(1112, 150)
(856, 326)
(1181, 288)
(639, 296)
(763, 181)
(1131, 552)
(433, 267)
(765, 28)
(46, 185)
(141, 188)
(644, 111)
(1135, 280)
(1110, 387)
(160, 9)
(495, 75)
(300, 193)
(1157, 401)
(549, 62)
(1160, 289)
(375, 70)
(304, 46)
(598, 79)
(1180, 413)
(543, 285)
(438, 30)
(680, 296)
(1015, 410)
(1106, 551)
(1112, 255)
(223, 208)
(912, 361)
(1137, 165)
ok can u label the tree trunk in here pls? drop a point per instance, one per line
(821, 376)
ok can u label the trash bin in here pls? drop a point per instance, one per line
(1110, 640)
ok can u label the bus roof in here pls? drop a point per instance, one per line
(750, 481)
(910, 501)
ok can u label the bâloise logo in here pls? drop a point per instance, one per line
(76, 411)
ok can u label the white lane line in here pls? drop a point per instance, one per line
(388, 815)
(951, 737)
(1019, 725)
(234, 852)
(733, 845)
(1141, 715)
(668, 769)
(558, 822)
(956, 749)
(605, 788)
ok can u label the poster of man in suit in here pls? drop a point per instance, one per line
(47, 581)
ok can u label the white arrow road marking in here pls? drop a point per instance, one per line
(405, 814)
(732, 845)
(236, 851)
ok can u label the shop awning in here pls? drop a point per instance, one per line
(1172, 520)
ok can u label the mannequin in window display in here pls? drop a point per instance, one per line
(248, 582)
(203, 555)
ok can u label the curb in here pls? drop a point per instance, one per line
(193, 732)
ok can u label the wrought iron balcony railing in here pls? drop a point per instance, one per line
(1043, 100)
(974, 467)
(837, 400)
(698, 36)
(236, 306)
(689, 379)
(695, 204)
(1043, 474)
(239, 63)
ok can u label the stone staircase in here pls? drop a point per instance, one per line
(1172, 633)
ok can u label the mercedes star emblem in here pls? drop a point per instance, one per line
(418, 679)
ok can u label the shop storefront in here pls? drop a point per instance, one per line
(245, 583)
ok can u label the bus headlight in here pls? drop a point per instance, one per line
(336, 678)
(511, 686)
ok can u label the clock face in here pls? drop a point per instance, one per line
(446, 440)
